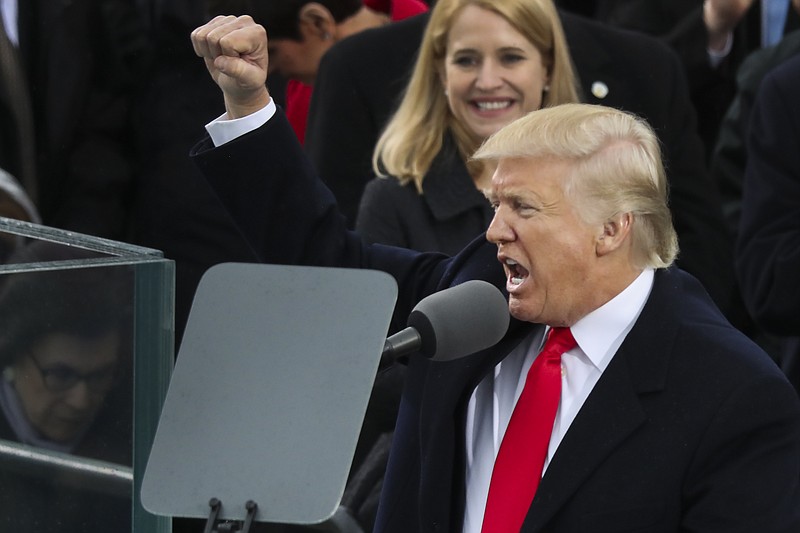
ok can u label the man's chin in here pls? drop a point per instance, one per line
(518, 309)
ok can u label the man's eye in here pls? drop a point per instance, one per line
(524, 208)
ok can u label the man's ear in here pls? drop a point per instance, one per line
(315, 19)
(615, 233)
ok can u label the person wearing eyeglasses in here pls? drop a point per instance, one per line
(64, 387)
(60, 352)
(58, 388)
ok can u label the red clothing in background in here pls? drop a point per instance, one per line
(398, 9)
(298, 94)
(298, 97)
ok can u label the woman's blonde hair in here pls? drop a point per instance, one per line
(415, 133)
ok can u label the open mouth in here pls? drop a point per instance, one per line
(516, 274)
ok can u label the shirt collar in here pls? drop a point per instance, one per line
(600, 333)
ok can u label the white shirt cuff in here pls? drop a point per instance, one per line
(223, 130)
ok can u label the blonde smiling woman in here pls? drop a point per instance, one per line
(481, 65)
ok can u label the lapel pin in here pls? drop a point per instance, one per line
(599, 89)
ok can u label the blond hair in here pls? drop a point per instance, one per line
(617, 168)
(415, 133)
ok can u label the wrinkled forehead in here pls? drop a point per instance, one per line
(526, 177)
(528, 171)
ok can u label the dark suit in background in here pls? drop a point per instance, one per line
(729, 157)
(691, 427)
(173, 210)
(679, 23)
(82, 61)
(728, 163)
(768, 252)
(361, 79)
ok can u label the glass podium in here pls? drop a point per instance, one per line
(86, 353)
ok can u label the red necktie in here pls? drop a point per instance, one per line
(519, 463)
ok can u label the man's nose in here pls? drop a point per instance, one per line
(499, 231)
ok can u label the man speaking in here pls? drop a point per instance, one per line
(620, 399)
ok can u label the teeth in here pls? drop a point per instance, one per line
(488, 106)
(515, 277)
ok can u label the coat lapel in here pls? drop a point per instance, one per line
(448, 388)
(610, 415)
(589, 57)
(613, 411)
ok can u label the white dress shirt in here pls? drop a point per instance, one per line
(223, 130)
(599, 335)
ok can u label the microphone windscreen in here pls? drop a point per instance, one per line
(460, 320)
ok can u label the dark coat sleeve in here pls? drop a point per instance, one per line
(288, 216)
(85, 81)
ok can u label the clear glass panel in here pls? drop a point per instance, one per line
(87, 326)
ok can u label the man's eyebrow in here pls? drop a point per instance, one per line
(515, 195)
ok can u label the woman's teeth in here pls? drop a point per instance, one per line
(490, 106)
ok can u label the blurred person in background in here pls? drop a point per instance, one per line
(65, 354)
(68, 75)
(712, 38)
(302, 31)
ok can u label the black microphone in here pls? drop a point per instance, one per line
(452, 323)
